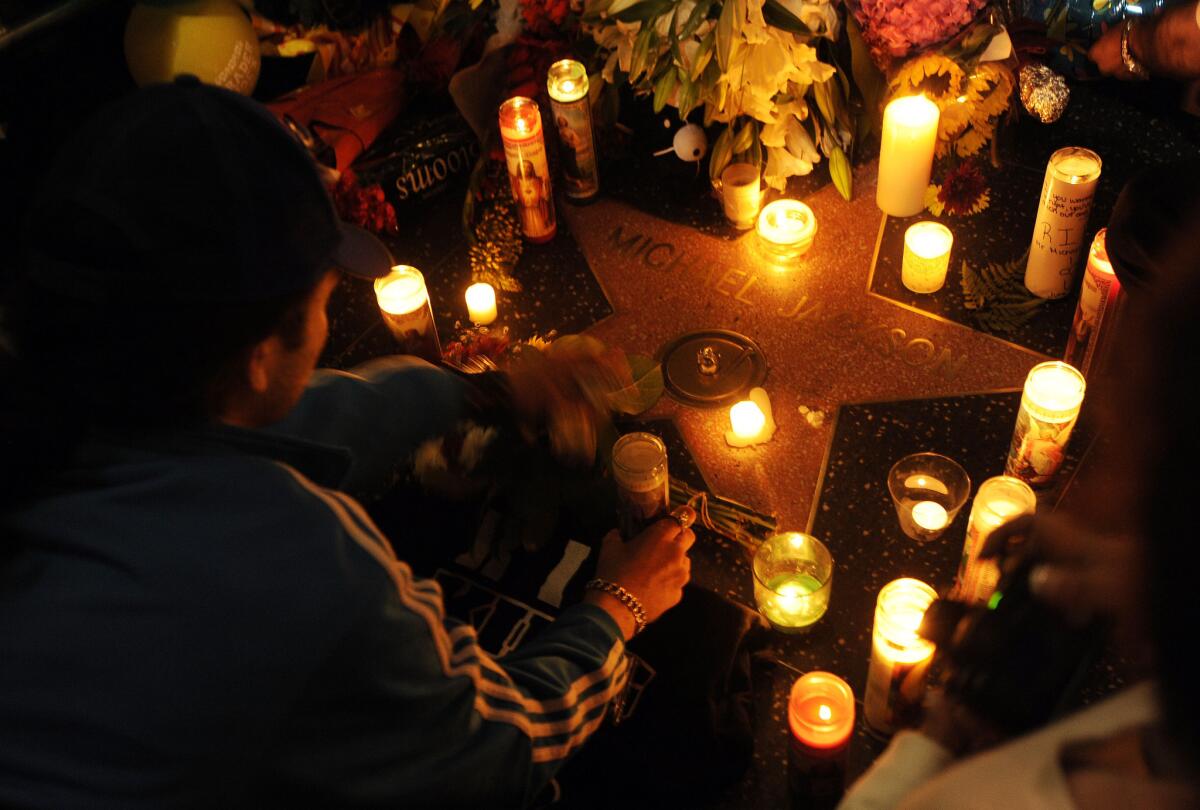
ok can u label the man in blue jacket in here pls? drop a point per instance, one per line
(193, 612)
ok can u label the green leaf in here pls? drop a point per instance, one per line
(722, 153)
(997, 294)
(664, 87)
(826, 100)
(641, 52)
(867, 78)
(778, 16)
(724, 31)
(839, 170)
(704, 55)
(744, 138)
(645, 390)
(643, 11)
(689, 95)
(698, 15)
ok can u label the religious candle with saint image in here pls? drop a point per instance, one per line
(899, 656)
(1099, 303)
(1058, 232)
(528, 169)
(999, 500)
(567, 84)
(404, 301)
(1050, 405)
(821, 721)
(639, 465)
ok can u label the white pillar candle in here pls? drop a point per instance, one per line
(1063, 208)
(999, 500)
(1050, 405)
(910, 126)
(926, 256)
(899, 656)
(481, 303)
(786, 229)
(741, 194)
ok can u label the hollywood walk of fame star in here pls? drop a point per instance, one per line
(827, 339)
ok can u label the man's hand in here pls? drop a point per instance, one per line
(653, 566)
(1106, 53)
(1081, 573)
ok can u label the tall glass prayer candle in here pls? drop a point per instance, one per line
(1063, 209)
(404, 302)
(793, 578)
(899, 656)
(567, 84)
(926, 256)
(1049, 407)
(528, 169)
(821, 721)
(786, 229)
(1099, 303)
(639, 464)
(998, 501)
(910, 127)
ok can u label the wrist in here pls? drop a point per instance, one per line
(615, 610)
(630, 603)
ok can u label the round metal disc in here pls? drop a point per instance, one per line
(740, 366)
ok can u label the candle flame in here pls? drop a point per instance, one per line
(824, 713)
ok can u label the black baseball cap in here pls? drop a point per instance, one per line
(189, 192)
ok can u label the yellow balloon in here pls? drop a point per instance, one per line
(211, 39)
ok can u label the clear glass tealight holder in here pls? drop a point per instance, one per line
(928, 490)
(793, 577)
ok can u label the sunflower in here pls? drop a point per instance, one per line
(969, 104)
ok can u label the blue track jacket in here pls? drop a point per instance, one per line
(208, 620)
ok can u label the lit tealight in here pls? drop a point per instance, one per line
(747, 420)
(481, 303)
(930, 515)
(751, 421)
(786, 229)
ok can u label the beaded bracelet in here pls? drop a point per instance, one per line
(624, 597)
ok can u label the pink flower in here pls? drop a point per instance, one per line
(895, 28)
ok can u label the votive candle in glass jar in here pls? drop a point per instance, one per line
(1050, 406)
(899, 656)
(1063, 209)
(793, 578)
(567, 85)
(404, 301)
(639, 463)
(528, 169)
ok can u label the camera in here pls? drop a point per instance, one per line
(1013, 661)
